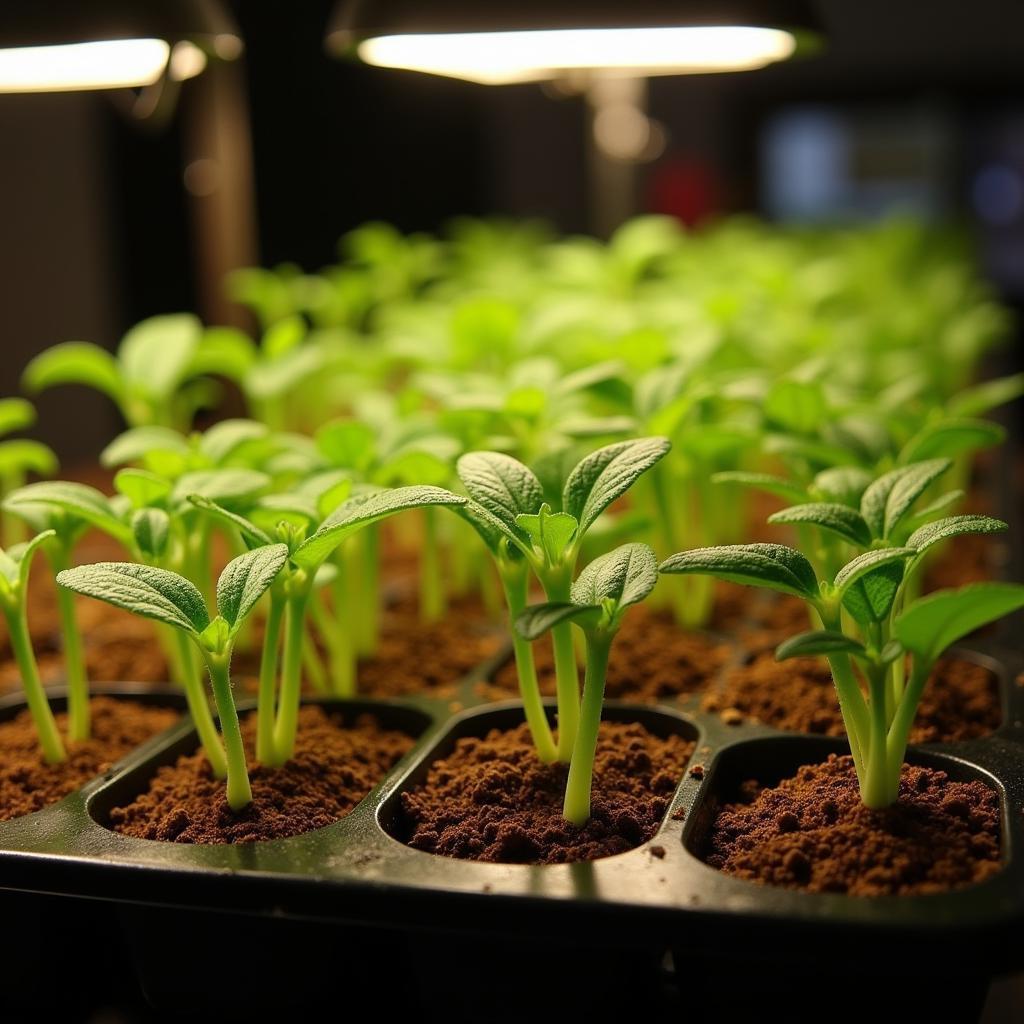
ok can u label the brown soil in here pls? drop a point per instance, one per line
(335, 765)
(492, 800)
(652, 659)
(812, 832)
(27, 783)
(419, 657)
(960, 702)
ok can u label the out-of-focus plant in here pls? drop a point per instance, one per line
(19, 456)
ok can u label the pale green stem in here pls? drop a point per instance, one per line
(239, 793)
(338, 641)
(433, 599)
(74, 659)
(874, 781)
(576, 808)
(515, 582)
(21, 644)
(313, 665)
(903, 720)
(268, 678)
(567, 680)
(199, 708)
(291, 676)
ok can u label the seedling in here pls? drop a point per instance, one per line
(509, 510)
(598, 600)
(173, 600)
(19, 457)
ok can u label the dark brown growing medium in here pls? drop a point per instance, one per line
(334, 767)
(492, 800)
(812, 832)
(27, 783)
(960, 702)
(653, 658)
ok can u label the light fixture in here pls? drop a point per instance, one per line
(507, 41)
(71, 45)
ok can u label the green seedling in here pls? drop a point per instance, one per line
(18, 457)
(598, 600)
(15, 564)
(523, 534)
(173, 600)
(147, 378)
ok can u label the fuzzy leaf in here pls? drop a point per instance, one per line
(155, 354)
(550, 532)
(617, 580)
(843, 485)
(151, 529)
(821, 641)
(935, 622)
(362, 510)
(533, 622)
(870, 598)
(141, 487)
(134, 444)
(757, 565)
(841, 520)
(246, 579)
(16, 561)
(502, 486)
(251, 534)
(763, 482)
(142, 589)
(225, 486)
(890, 497)
(867, 565)
(923, 538)
(76, 500)
(607, 474)
(75, 362)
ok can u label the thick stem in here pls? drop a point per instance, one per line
(35, 697)
(576, 808)
(291, 675)
(74, 658)
(338, 641)
(199, 708)
(567, 679)
(239, 792)
(515, 582)
(433, 600)
(313, 666)
(268, 678)
(899, 730)
(874, 782)
(851, 705)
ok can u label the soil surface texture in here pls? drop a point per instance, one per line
(652, 658)
(812, 832)
(336, 764)
(960, 702)
(491, 799)
(28, 783)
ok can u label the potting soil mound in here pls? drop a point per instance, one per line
(491, 799)
(335, 765)
(28, 783)
(812, 832)
(960, 702)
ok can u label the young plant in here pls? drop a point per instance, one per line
(868, 626)
(509, 510)
(176, 602)
(19, 456)
(145, 380)
(15, 564)
(598, 600)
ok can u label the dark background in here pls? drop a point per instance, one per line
(95, 228)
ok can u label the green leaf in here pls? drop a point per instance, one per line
(983, 398)
(224, 486)
(940, 504)
(76, 500)
(757, 565)
(348, 443)
(821, 641)
(246, 579)
(954, 526)
(155, 354)
(843, 484)
(607, 474)
(533, 622)
(75, 362)
(841, 520)
(763, 482)
(362, 510)
(869, 562)
(225, 351)
(615, 581)
(16, 561)
(870, 598)
(796, 405)
(151, 528)
(22, 455)
(551, 533)
(225, 438)
(15, 414)
(134, 444)
(503, 488)
(251, 534)
(283, 336)
(935, 622)
(890, 497)
(142, 589)
(950, 438)
(141, 487)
